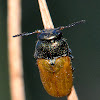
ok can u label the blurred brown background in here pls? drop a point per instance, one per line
(84, 40)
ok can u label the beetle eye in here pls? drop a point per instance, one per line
(38, 35)
(52, 41)
(59, 35)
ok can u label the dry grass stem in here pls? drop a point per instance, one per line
(47, 22)
(73, 95)
(46, 19)
(14, 50)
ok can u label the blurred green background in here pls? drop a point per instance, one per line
(84, 40)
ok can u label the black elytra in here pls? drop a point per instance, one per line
(51, 44)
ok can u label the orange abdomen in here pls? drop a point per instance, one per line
(57, 79)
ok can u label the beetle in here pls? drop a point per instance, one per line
(53, 57)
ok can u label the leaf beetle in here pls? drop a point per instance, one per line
(53, 57)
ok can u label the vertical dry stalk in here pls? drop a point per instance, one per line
(73, 95)
(14, 50)
(47, 22)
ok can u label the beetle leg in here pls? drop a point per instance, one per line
(73, 69)
(72, 57)
(70, 51)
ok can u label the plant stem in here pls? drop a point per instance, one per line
(72, 95)
(14, 50)
(47, 22)
(46, 19)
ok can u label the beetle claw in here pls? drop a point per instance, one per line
(73, 69)
(72, 57)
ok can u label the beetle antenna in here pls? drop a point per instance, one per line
(27, 34)
(71, 25)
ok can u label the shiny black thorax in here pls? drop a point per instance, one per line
(51, 45)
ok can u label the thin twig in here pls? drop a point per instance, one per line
(47, 22)
(14, 50)
(72, 95)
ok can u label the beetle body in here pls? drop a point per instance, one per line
(54, 60)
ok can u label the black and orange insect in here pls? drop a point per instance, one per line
(54, 60)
